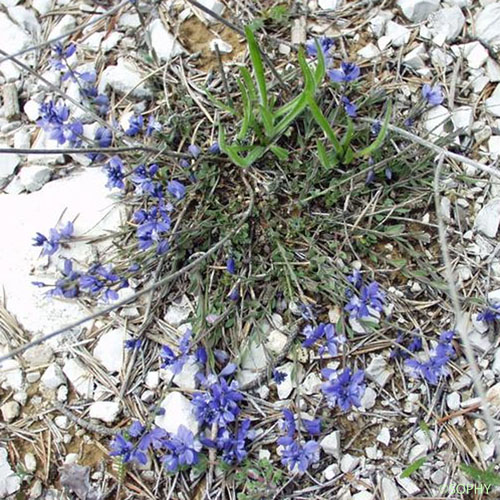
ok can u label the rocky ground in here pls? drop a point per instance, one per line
(62, 401)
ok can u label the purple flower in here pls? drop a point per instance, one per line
(325, 44)
(182, 450)
(173, 361)
(231, 266)
(219, 404)
(233, 446)
(296, 456)
(114, 170)
(350, 108)
(101, 280)
(344, 390)
(370, 296)
(376, 127)
(135, 124)
(194, 150)
(133, 344)
(323, 331)
(68, 285)
(279, 377)
(143, 178)
(176, 189)
(490, 314)
(413, 346)
(50, 245)
(234, 294)
(153, 439)
(153, 225)
(136, 429)
(153, 126)
(101, 103)
(433, 95)
(348, 72)
(313, 427)
(103, 137)
(54, 121)
(214, 149)
(370, 177)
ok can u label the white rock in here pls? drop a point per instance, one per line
(368, 399)
(372, 452)
(254, 356)
(147, 396)
(398, 34)
(331, 471)
(32, 377)
(414, 58)
(10, 411)
(32, 110)
(330, 4)
(494, 145)
(21, 397)
(384, 436)
(224, 47)
(434, 120)
(53, 377)
(492, 104)
(488, 218)
(474, 52)
(418, 10)
(109, 349)
(8, 164)
(38, 355)
(440, 57)
(9, 3)
(331, 444)
(494, 296)
(11, 374)
(348, 463)
(493, 70)
(34, 177)
(22, 139)
(311, 384)
(30, 462)
(62, 393)
(294, 373)
(389, 490)
(363, 495)
(178, 312)
(378, 22)
(124, 78)
(377, 370)
(276, 341)
(417, 451)
(446, 24)
(453, 401)
(186, 378)
(42, 6)
(369, 51)
(163, 42)
(462, 118)
(152, 379)
(178, 411)
(79, 377)
(408, 485)
(10, 482)
(99, 41)
(487, 24)
(493, 396)
(496, 362)
(12, 39)
(107, 411)
(62, 421)
(214, 5)
(129, 20)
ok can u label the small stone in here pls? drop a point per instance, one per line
(186, 378)
(488, 218)
(369, 398)
(493, 70)
(224, 47)
(369, 51)
(415, 58)
(32, 377)
(418, 451)
(311, 384)
(8, 164)
(493, 396)
(434, 121)
(124, 78)
(446, 24)
(147, 396)
(293, 379)
(453, 401)
(492, 104)
(12, 374)
(494, 146)
(487, 25)
(34, 177)
(348, 463)
(363, 495)
(36, 489)
(475, 54)
(152, 379)
(377, 370)
(39, 355)
(21, 397)
(10, 410)
(62, 394)
(53, 377)
(163, 42)
(276, 341)
(331, 444)
(178, 410)
(178, 312)
(109, 349)
(66, 23)
(215, 6)
(462, 119)
(389, 490)
(399, 35)
(79, 377)
(298, 35)
(331, 471)
(408, 485)
(62, 421)
(42, 6)
(107, 411)
(10, 482)
(418, 10)
(384, 436)
(10, 101)
(496, 362)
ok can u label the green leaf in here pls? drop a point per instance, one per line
(488, 477)
(267, 119)
(257, 65)
(322, 154)
(346, 140)
(291, 116)
(381, 135)
(281, 153)
(323, 123)
(220, 104)
(319, 72)
(348, 156)
(413, 467)
(394, 230)
(309, 81)
(247, 111)
(250, 86)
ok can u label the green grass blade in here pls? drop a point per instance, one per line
(319, 73)
(218, 103)
(323, 123)
(310, 86)
(413, 467)
(281, 153)
(267, 120)
(322, 154)
(247, 111)
(381, 135)
(488, 477)
(346, 140)
(257, 65)
(292, 115)
(252, 91)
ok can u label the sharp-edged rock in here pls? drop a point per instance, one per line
(488, 218)
(418, 10)
(164, 43)
(177, 411)
(107, 411)
(109, 349)
(487, 24)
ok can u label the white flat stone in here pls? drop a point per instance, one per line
(488, 218)
(494, 146)
(107, 411)
(10, 482)
(384, 436)
(67, 23)
(11, 374)
(109, 349)
(214, 5)
(398, 34)
(487, 24)
(368, 399)
(434, 120)
(462, 118)
(80, 378)
(311, 384)
(348, 463)
(163, 42)
(178, 312)
(446, 24)
(34, 177)
(42, 6)
(186, 378)
(53, 377)
(178, 411)
(369, 51)
(10, 411)
(294, 373)
(8, 164)
(224, 47)
(378, 370)
(330, 4)
(389, 490)
(493, 70)
(124, 78)
(415, 58)
(418, 10)
(331, 444)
